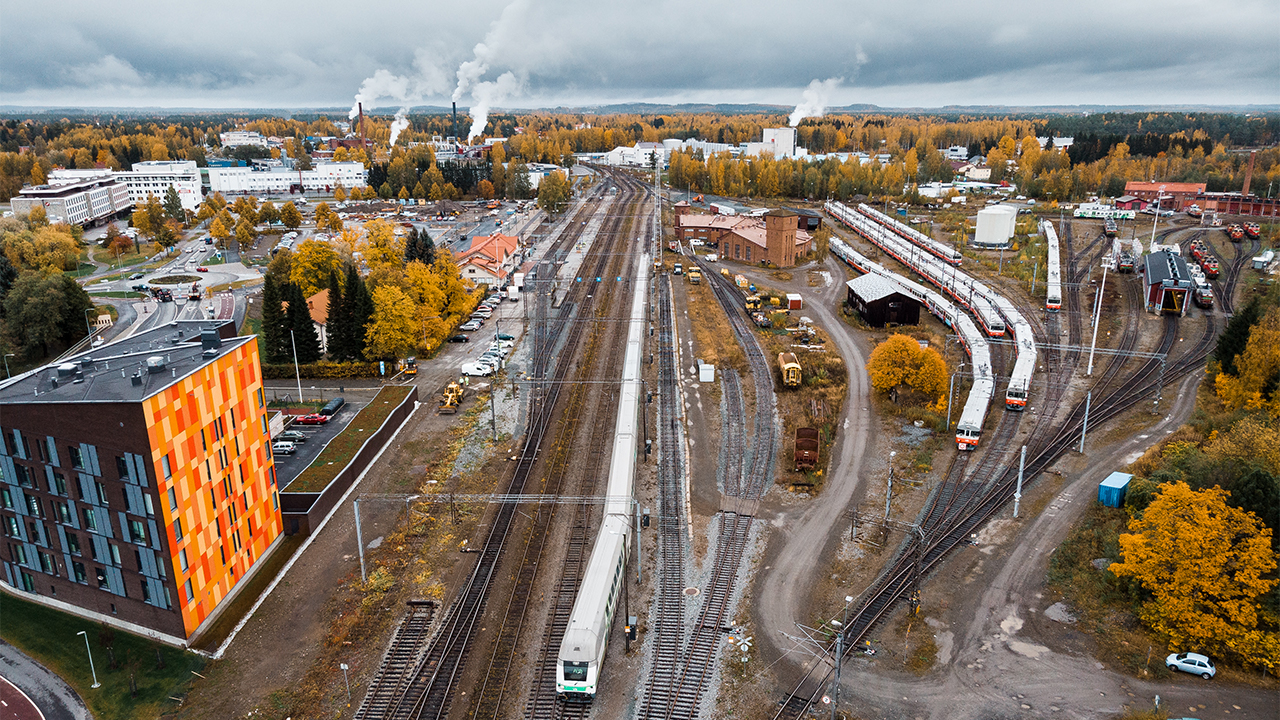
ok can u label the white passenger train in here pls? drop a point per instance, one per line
(587, 636)
(974, 413)
(944, 252)
(1053, 274)
(994, 313)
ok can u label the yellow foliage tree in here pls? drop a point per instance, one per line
(313, 261)
(393, 327)
(381, 246)
(1205, 565)
(339, 193)
(290, 216)
(900, 361)
(1256, 367)
(218, 230)
(45, 248)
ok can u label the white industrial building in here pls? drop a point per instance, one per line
(324, 178)
(996, 225)
(77, 202)
(537, 171)
(152, 177)
(956, 152)
(237, 138)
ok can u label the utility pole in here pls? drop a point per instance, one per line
(360, 541)
(1097, 311)
(1017, 493)
(1088, 399)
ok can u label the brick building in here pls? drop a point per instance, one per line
(1177, 196)
(137, 485)
(775, 238)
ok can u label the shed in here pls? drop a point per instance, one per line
(1130, 202)
(1168, 283)
(880, 303)
(1111, 491)
(795, 301)
(1262, 261)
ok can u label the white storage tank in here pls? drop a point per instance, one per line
(995, 226)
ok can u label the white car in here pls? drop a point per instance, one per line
(1193, 663)
(469, 326)
(283, 447)
(477, 368)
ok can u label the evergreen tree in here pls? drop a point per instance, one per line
(1236, 335)
(173, 205)
(273, 322)
(363, 313)
(334, 324)
(419, 246)
(304, 341)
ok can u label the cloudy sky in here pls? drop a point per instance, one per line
(540, 53)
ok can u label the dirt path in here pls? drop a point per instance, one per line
(809, 531)
(995, 662)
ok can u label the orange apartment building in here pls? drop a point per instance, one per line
(137, 485)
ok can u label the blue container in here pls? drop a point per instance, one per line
(1111, 491)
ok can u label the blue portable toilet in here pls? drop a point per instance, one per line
(1111, 491)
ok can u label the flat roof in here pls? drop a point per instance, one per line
(107, 370)
(1117, 480)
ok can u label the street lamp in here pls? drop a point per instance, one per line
(96, 684)
(88, 328)
(6, 364)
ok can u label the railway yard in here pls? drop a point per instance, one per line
(638, 543)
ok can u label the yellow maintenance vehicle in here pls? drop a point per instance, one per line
(410, 366)
(451, 398)
(790, 367)
(753, 302)
(695, 276)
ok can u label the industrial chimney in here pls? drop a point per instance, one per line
(455, 121)
(1248, 174)
(361, 106)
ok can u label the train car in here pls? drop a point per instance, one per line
(1203, 297)
(988, 317)
(586, 638)
(1053, 271)
(790, 367)
(1109, 228)
(1235, 232)
(940, 250)
(1252, 230)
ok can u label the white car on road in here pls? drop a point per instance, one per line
(1193, 663)
(477, 368)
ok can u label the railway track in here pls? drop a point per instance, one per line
(1115, 397)
(400, 658)
(428, 690)
(732, 433)
(669, 617)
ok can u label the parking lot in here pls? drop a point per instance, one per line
(289, 466)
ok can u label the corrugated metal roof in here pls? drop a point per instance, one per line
(872, 287)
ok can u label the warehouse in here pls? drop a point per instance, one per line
(1168, 283)
(879, 303)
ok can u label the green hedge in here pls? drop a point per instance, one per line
(326, 370)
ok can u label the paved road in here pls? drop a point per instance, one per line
(54, 699)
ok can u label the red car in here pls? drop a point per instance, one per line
(202, 269)
(312, 419)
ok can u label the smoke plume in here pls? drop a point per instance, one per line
(814, 100)
(399, 124)
(486, 95)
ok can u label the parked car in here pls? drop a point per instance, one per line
(1193, 663)
(312, 419)
(293, 436)
(504, 336)
(458, 339)
(469, 326)
(283, 447)
(477, 368)
(482, 312)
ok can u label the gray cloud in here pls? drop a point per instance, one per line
(923, 53)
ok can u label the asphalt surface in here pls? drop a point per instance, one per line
(54, 699)
(289, 466)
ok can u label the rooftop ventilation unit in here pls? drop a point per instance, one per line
(66, 370)
(210, 340)
(136, 379)
(155, 364)
(86, 363)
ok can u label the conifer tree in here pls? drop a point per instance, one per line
(304, 341)
(273, 327)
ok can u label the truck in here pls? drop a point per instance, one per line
(410, 366)
(194, 294)
(678, 269)
(513, 293)
(752, 302)
(806, 448)
(695, 276)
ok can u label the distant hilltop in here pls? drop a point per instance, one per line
(643, 108)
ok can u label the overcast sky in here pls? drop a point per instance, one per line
(918, 53)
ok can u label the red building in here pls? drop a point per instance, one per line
(1129, 202)
(1176, 196)
(1237, 204)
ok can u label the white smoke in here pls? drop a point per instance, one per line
(486, 95)
(383, 84)
(503, 32)
(399, 124)
(814, 100)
